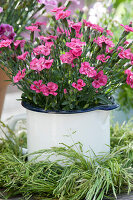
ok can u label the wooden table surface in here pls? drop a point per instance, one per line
(120, 197)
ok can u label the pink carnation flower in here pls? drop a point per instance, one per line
(48, 63)
(41, 49)
(20, 75)
(5, 43)
(79, 35)
(32, 28)
(103, 39)
(132, 59)
(99, 80)
(89, 24)
(36, 86)
(50, 37)
(19, 42)
(49, 89)
(46, 90)
(93, 26)
(120, 48)
(40, 64)
(61, 8)
(72, 65)
(126, 42)
(76, 46)
(44, 38)
(67, 57)
(125, 54)
(79, 85)
(76, 52)
(75, 43)
(23, 56)
(52, 88)
(77, 27)
(102, 58)
(87, 70)
(39, 23)
(129, 80)
(97, 27)
(37, 64)
(109, 32)
(62, 14)
(128, 71)
(127, 28)
(65, 91)
(49, 44)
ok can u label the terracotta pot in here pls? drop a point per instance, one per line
(3, 87)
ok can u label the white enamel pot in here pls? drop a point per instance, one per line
(49, 129)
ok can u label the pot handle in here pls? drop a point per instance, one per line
(12, 122)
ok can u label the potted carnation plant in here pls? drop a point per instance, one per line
(67, 77)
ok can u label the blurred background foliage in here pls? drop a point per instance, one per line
(20, 13)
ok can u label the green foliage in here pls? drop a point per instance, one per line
(122, 137)
(116, 3)
(77, 178)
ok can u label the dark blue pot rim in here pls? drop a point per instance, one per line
(102, 107)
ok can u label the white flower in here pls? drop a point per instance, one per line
(97, 12)
(1, 9)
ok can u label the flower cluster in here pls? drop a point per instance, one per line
(79, 85)
(104, 40)
(60, 13)
(46, 90)
(75, 66)
(40, 64)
